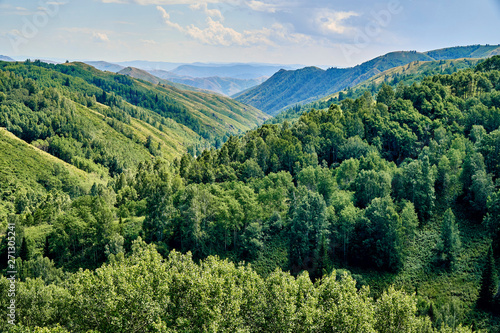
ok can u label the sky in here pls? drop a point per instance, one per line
(331, 33)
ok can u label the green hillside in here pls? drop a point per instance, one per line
(287, 88)
(29, 173)
(377, 214)
(472, 51)
(52, 126)
(211, 116)
(101, 133)
(413, 72)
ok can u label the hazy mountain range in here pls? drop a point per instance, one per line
(225, 79)
(290, 87)
(5, 58)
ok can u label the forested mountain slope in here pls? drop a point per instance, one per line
(471, 51)
(383, 209)
(286, 88)
(413, 72)
(211, 116)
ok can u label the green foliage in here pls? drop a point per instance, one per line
(489, 283)
(489, 64)
(374, 188)
(308, 228)
(450, 237)
(144, 293)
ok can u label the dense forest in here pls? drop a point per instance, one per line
(374, 214)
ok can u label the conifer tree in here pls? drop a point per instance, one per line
(23, 251)
(488, 283)
(450, 237)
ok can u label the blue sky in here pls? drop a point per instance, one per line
(310, 32)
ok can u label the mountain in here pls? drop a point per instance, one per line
(471, 51)
(223, 85)
(211, 116)
(146, 76)
(60, 131)
(225, 79)
(105, 66)
(286, 88)
(374, 215)
(408, 74)
(5, 58)
(150, 65)
(237, 71)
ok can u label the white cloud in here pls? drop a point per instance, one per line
(149, 41)
(216, 33)
(261, 6)
(332, 22)
(214, 13)
(100, 37)
(166, 19)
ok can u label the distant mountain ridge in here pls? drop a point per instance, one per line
(5, 58)
(225, 79)
(223, 85)
(287, 88)
(141, 74)
(237, 71)
(105, 66)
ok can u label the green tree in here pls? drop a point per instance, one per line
(370, 185)
(382, 235)
(385, 95)
(488, 283)
(307, 228)
(345, 226)
(125, 296)
(395, 312)
(451, 244)
(343, 308)
(23, 251)
(347, 172)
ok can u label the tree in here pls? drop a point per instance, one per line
(409, 221)
(342, 307)
(345, 226)
(488, 283)
(126, 296)
(307, 227)
(385, 95)
(415, 182)
(482, 187)
(23, 251)
(370, 185)
(347, 172)
(395, 312)
(492, 219)
(450, 239)
(381, 233)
